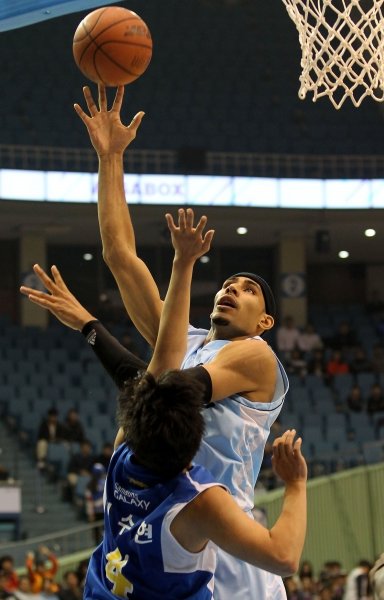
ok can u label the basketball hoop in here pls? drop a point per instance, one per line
(342, 44)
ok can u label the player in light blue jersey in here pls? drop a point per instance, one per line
(243, 368)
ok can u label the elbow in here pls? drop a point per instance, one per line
(115, 255)
(109, 255)
(288, 566)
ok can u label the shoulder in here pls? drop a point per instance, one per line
(252, 351)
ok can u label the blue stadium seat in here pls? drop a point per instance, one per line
(58, 455)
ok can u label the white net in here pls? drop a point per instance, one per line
(342, 48)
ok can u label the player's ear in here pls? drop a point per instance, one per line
(266, 322)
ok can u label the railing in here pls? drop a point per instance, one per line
(62, 543)
(216, 163)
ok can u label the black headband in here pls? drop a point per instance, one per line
(269, 299)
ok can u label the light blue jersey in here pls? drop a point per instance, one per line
(232, 449)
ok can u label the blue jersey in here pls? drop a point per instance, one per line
(139, 558)
(236, 431)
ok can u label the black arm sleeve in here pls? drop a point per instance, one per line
(119, 362)
(204, 377)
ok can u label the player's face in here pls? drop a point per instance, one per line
(239, 308)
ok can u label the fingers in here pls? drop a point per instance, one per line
(47, 281)
(102, 97)
(185, 224)
(183, 219)
(83, 116)
(208, 240)
(189, 217)
(297, 446)
(170, 222)
(118, 100)
(283, 446)
(58, 278)
(90, 101)
(136, 121)
(27, 291)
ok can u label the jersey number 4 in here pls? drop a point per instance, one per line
(121, 586)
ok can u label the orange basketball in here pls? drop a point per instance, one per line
(112, 45)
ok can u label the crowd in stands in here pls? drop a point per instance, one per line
(38, 580)
(79, 470)
(305, 352)
(338, 376)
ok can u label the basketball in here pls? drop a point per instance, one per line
(112, 46)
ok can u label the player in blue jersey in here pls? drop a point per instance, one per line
(248, 382)
(164, 517)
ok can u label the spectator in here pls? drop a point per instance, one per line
(309, 340)
(4, 476)
(306, 569)
(24, 590)
(10, 578)
(51, 430)
(357, 584)
(376, 578)
(38, 572)
(308, 587)
(336, 365)
(378, 358)
(4, 594)
(295, 364)
(355, 400)
(49, 590)
(74, 429)
(345, 337)
(287, 337)
(81, 571)
(71, 589)
(105, 456)
(80, 464)
(375, 400)
(359, 362)
(317, 365)
(94, 507)
(292, 588)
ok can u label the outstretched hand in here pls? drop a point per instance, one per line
(59, 300)
(106, 131)
(188, 241)
(288, 462)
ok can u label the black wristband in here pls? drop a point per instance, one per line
(89, 332)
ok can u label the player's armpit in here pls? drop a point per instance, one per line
(245, 367)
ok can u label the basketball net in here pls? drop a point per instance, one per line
(342, 44)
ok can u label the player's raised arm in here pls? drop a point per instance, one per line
(189, 242)
(215, 515)
(110, 138)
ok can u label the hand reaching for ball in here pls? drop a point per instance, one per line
(106, 131)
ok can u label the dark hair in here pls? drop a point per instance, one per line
(162, 420)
